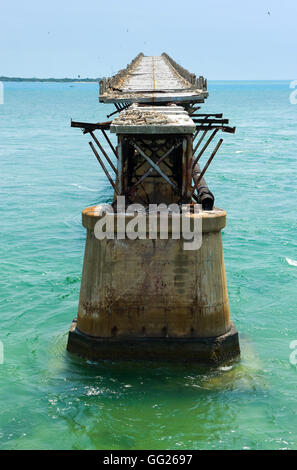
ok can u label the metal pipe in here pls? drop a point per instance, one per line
(205, 196)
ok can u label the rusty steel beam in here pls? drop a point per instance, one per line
(103, 167)
(89, 126)
(196, 185)
(193, 109)
(147, 146)
(210, 121)
(109, 142)
(189, 166)
(195, 135)
(205, 147)
(230, 130)
(184, 167)
(148, 172)
(200, 140)
(115, 112)
(220, 115)
(120, 165)
(120, 107)
(103, 151)
(156, 167)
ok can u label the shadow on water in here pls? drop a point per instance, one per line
(239, 373)
(145, 405)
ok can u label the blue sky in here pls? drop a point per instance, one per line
(220, 39)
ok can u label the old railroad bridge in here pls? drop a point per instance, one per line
(150, 299)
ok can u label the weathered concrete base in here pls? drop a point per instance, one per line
(210, 351)
(152, 299)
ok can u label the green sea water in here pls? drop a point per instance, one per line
(52, 400)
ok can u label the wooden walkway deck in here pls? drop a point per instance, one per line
(153, 79)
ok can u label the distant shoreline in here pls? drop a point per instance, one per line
(59, 80)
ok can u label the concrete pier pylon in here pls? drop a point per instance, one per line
(152, 297)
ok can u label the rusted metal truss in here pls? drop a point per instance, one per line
(192, 184)
(104, 167)
(155, 166)
(119, 107)
(206, 123)
(91, 126)
(192, 109)
(211, 122)
(88, 127)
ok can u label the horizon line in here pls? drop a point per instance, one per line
(4, 78)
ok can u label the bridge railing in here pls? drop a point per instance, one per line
(197, 82)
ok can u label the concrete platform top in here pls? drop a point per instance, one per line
(212, 221)
(152, 79)
(153, 120)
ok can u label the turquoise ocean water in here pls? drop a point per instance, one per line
(52, 400)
